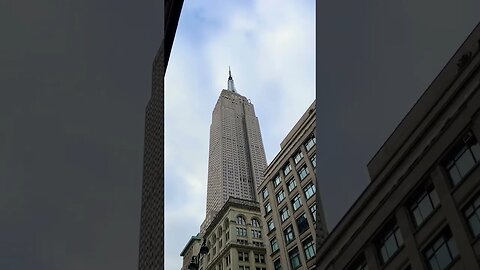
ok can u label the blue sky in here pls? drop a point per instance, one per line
(270, 46)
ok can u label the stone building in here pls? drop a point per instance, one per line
(236, 155)
(235, 238)
(288, 200)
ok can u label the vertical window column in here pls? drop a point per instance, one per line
(454, 218)
(406, 228)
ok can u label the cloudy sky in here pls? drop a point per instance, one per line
(261, 41)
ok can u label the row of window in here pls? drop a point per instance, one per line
(294, 255)
(302, 226)
(303, 172)
(442, 251)
(309, 191)
(242, 232)
(298, 156)
(241, 221)
(439, 254)
(313, 211)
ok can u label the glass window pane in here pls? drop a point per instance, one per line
(433, 264)
(434, 198)
(418, 216)
(454, 175)
(465, 163)
(474, 225)
(425, 207)
(443, 257)
(476, 151)
(452, 246)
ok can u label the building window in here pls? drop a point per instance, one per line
(309, 190)
(258, 244)
(241, 220)
(265, 193)
(274, 245)
(287, 169)
(298, 157)
(244, 267)
(309, 248)
(277, 265)
(243, 256)
(280, 196)
(472, 214)
(242, 242)
(227, 260)
(302, 223)
(441, 252)
(227, 236)
(284, 215)
(296, 202)
(313, 210)
(268, 208)
(255, 222)
(389, 243)
(289, 235)
(242, 232)
(303, 172)
(313, 159)
(291, 184)
(271, 225)
(277, 181)
(294, 256)
(259, 258)
(424, 204)
(256, 234)
(462, 158)
(310, 143)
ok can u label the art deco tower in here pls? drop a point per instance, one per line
(236, 156)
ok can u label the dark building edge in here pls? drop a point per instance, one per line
(151, 241)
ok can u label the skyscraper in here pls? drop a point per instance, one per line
(151, 220)
(236, 155)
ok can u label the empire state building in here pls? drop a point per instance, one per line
(236, 155)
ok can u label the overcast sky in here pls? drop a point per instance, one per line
(261, 41)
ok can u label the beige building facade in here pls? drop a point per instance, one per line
(191, 249)
(288, 200)
(236, 159)
(422, 207)
(235, 238)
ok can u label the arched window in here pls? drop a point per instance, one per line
(241, 220)
(255, 222)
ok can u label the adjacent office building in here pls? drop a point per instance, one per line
(151, 221)
(236, 159)
(293, 217)
(422, 207)
(191, 249)
(235, 238)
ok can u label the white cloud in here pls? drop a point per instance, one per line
(271, 48)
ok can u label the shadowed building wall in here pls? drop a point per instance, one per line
(151, 244)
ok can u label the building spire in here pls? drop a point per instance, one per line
(231, 85)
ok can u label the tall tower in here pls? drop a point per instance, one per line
(236, 156)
